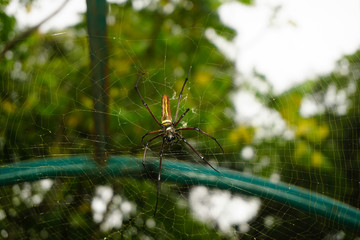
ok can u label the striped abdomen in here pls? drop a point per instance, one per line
(166, 118)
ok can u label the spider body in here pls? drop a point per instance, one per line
(168, 131)
(166, 120)
(170, 134)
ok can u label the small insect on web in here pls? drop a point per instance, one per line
(168, 131)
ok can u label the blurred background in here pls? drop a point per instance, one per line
(276, 82)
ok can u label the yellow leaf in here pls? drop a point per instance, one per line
(87, 102)
(73, 121)
(305, 126)
(8, 107)
(323, 131)
(301, 149)
(310, 129)
(31, 101)
(202, 78)
(241, 134)
(317, 159)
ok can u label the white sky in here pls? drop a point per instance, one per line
(70, 14)
(298, 41)
(289, 42)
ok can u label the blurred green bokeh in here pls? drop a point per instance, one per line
(46, 110)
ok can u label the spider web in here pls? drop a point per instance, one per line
(310, 137)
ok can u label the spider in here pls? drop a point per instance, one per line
(169, 133)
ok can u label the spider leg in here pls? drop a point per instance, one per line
(197, 153)
(152, 132)
(181, 117)
(199, 130)
(159, 176)
(182, 89)
(147, 146)
(147, 107)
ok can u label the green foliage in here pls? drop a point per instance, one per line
(46, 110)
(326, 144)
(6, 26)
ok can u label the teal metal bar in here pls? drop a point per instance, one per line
(186, 173)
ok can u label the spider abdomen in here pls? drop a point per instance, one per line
(166, 118)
